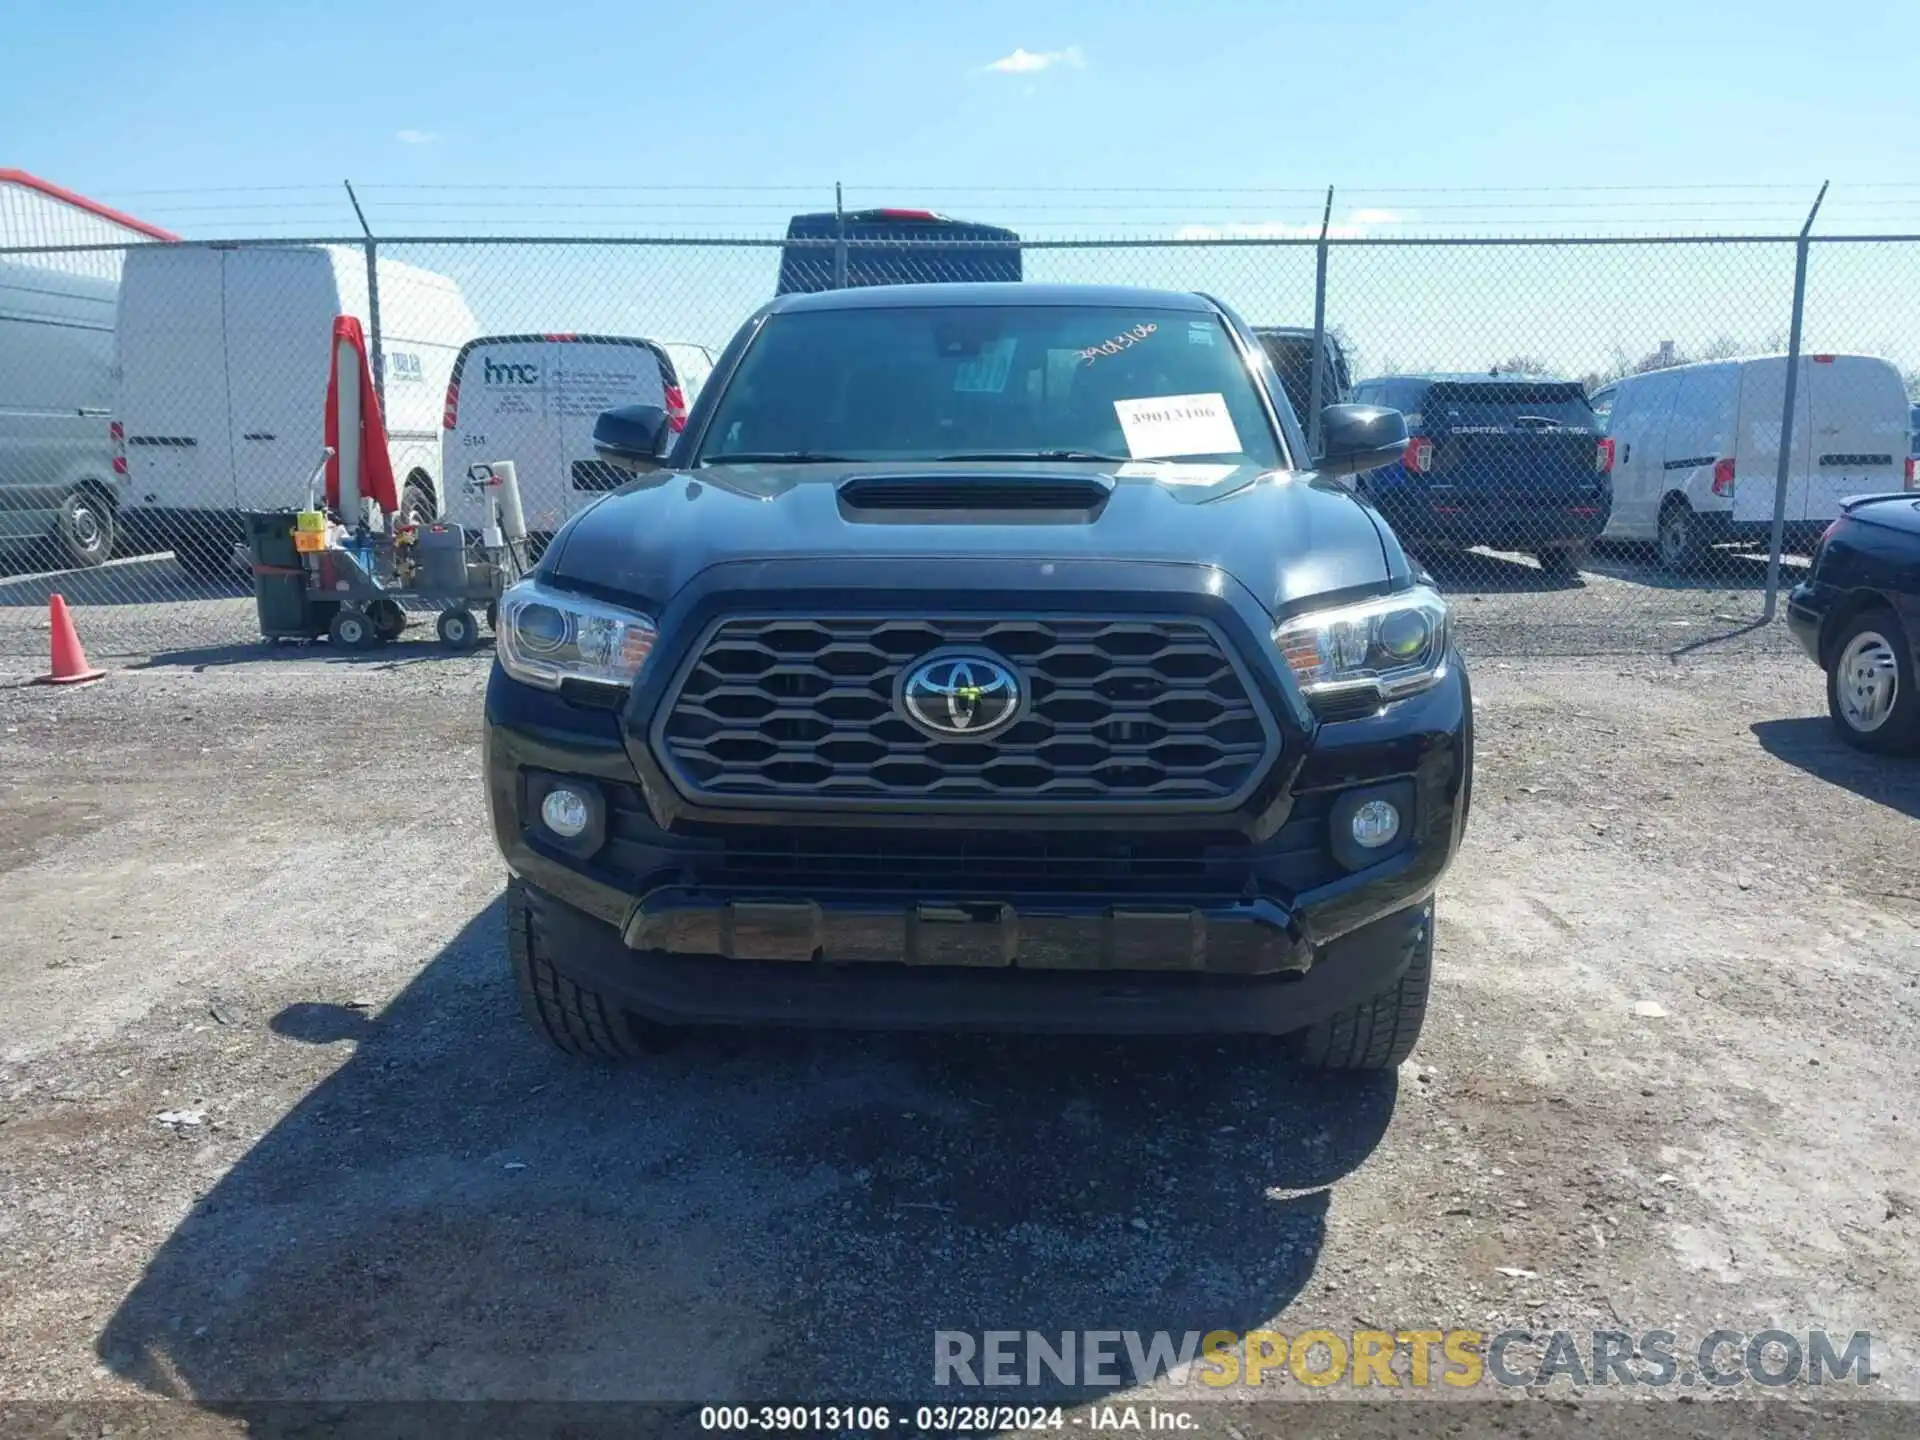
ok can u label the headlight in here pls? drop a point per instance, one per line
(547, 636)
(1393, 645)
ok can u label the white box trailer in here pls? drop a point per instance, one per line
(1697, 448)
(57, 480)
(222, 358)
(532, 399)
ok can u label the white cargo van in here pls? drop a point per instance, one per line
(222, 361)
(56, 384)
(1696, 448)
(532, 399)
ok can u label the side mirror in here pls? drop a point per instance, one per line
(632, 436)
(1354, 438)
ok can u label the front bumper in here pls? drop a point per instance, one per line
(870, 899)
(686, 990)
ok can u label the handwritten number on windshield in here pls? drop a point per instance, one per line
(1125, 340)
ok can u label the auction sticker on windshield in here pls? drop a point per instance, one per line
(1163, 425)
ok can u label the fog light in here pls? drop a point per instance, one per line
(567, 814)
(1375, 824)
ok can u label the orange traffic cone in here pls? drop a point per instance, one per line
(69, 660)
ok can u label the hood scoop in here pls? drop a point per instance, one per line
(962, 494)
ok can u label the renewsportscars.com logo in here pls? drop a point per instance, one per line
(1417, 1359)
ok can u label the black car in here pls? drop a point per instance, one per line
(983, 656)
(1290, 348)
(892, 247)
(1858, 615)
(1512, 462)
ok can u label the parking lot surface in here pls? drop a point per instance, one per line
(271, 1125)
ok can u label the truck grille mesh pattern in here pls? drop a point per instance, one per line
(1120, 710)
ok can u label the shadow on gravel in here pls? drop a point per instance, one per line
(416, 647)
(1809, 744)
(1722, 570)
(456, 1213)
(1462, 571)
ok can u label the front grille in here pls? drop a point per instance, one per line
(765, 862)
(1120, 710)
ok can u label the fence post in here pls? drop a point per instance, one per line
(1786, 413)
(1316, 386)
(376, 356)
(839, 240)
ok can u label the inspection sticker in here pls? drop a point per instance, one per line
(1163, 425)
(1200, 332)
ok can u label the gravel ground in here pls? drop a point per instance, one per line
(1666, 1083)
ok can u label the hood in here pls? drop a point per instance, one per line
(1286, 537)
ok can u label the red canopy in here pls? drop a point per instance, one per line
(376, 467)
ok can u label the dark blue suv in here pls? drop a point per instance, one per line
(1509, 462)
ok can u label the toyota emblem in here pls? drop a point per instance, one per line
(961, 695)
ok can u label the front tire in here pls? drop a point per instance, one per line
(1872, 696)
(458, 630)
(352, 630)
(1380, 1032)
(571, 1018)
(85, 529)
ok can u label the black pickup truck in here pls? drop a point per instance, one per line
(981, 657)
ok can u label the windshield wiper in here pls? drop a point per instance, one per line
(775, 457)
(1038, 455)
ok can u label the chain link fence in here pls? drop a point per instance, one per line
(1591, 471)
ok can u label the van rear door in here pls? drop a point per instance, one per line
(594, 376)
(171, 362)
(280, 308)
(1858, 441)
(501, 400)
(1763, 391)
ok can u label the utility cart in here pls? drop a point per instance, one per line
(313, 576)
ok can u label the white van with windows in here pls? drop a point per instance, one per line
(56, 384)
(532, 399)
(223, 355)
(1696, 448)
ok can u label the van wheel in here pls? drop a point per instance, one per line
(1678, 538)
(1871, 691)
(86, 528)
(1562, 559)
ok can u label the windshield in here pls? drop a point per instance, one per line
(988, 382)
(1541, 404)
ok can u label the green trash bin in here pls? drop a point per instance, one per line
(280, 580)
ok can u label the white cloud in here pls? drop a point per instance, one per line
(1354, 227)
(416, 137)
(1028, 62)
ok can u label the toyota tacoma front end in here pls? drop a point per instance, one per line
(981, 657)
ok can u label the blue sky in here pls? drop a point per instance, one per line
(1065, 119)
(1388, 98)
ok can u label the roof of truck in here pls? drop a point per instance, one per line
(1013, 293)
